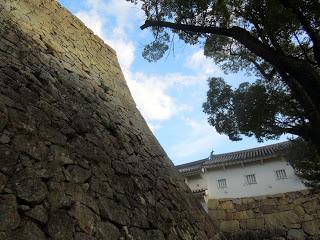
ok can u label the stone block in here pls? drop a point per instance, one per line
(31, 189)
(157, 234)
(295, 226)
(78, 174)
(243, 215)
(213, 204)
(85, 217)
(260, 198)
(299, 211)
(285, 207)
(294, 234)
(311, 206)
(312, 227)
(255, 224)
(280, 219)
(4, 138)
(3, 116)
(83, 236)
(106, 230)
(52, 135)
(218, 214)
(307, 218)
(265, 209)
(30, 231)
(270, 201)
(31, 145)
(61, 225)
(243, 224)
(10, 218)
(229, 215)
(38, 213)
(113, 211)
(8, 159)
(3, 181)
(237, 201)
(247, 201)
(230, 226)
(227, 205)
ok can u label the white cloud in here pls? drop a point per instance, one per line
(154, 127)
(200, 138)
(124, 12)
(200, 63)
(92, 20)
(94, 3)
(112, 20)
(150, 93)
(125, 52)
(117, 38)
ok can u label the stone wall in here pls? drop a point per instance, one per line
(77, 160)
(294, 215)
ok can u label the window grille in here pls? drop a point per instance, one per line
(251, 179)
(222, 183)
(281, 174)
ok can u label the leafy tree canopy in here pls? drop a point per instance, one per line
(276, 40)
(261, 109)
(305, 159)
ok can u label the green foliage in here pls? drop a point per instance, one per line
(305, 159)
(267, 20)
(258, 109)
(156, 49)
(265, 109)
(277, 41)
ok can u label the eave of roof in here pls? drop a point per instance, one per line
(234, 158)
(191, 164)
(199, 192)
(192, 168)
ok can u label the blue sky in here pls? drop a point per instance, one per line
(170, 92)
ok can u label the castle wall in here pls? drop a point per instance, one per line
(294, 215)
(77, 160)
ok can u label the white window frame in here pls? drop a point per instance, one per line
(222, 183)
(281, 174)
(251, 179)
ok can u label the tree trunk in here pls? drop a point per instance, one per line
(313, 133)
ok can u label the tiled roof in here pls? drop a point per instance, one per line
(191, 168)
(248, 155)
(232, 158)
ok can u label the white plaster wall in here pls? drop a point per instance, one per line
(267, 183)
(197, 182)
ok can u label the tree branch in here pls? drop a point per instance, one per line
(309, 78)
(267, 76)
(315, 37)
(302, 131)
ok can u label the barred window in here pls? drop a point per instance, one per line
(222, 183)
(281, 174)
(251, 179)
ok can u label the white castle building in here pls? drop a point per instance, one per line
(252, 172)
